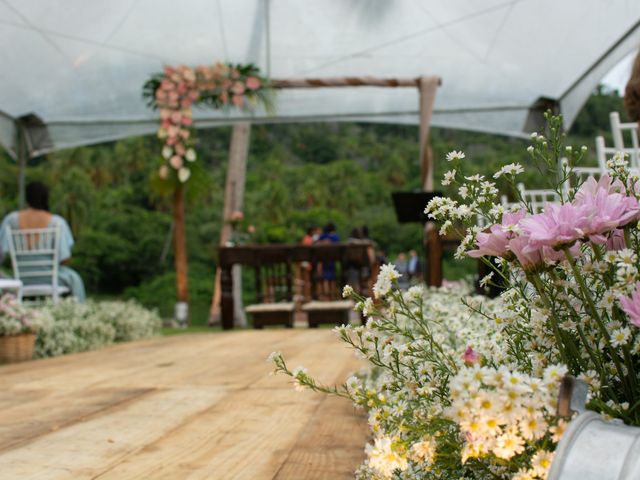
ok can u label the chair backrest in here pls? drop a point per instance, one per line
(34, 256)
(604, 153)
(629, 130)
(537, 198)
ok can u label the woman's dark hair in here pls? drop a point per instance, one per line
(37, 196)
(329, 227)
(311, 230)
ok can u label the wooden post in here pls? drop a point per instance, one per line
(226, 297)
(233, 201)
(180, 238)
(435, 253)
(427, 87)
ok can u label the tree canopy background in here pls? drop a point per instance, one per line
(298, 175)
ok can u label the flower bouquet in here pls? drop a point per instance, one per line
(18, 326)
(461, 386)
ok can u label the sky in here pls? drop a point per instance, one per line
(619, 75)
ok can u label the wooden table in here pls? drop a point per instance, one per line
(190, 406)
(273, 270)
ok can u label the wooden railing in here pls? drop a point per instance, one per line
(275, 266)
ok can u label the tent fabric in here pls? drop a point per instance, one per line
(79, 65)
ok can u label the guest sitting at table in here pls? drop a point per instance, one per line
(37, 215)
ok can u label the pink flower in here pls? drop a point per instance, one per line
(606, 183)
(558, 225)
(253, 83)
(605, 208)
(470, 356)
(495, 242)
(163, 172)
(549, 255)
(236, 216)
(167, 85)
(176, 162)
(238, 88)
(172, 131)
(528, 256)
(238, 100)
(616, 240)
(631, 305)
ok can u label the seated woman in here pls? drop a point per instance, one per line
(37, 215)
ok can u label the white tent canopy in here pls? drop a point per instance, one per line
(79, 65)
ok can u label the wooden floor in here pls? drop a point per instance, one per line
(190, 406)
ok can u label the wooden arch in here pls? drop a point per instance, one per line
(238, 150)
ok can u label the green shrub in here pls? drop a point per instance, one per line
(160, 293)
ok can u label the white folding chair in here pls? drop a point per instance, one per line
(629, 129)
(604, 153)
(35, 262)
(537, 198)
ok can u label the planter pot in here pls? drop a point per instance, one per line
(594, 449)
(17, 348)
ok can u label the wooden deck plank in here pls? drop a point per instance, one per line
(196, 406)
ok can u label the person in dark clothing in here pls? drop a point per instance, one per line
(414, 267)
(328, 269)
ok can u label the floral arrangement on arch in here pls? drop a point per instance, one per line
(177, 90)
(460, 386)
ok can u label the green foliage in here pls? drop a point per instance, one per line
(159, 293)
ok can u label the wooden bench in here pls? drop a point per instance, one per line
(279, 313)
(336, 312)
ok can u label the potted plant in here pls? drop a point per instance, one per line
(18, 326)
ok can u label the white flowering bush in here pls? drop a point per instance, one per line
(15, 319)
(571, 270)
(446, 396)
(467, 388)
(70, 327)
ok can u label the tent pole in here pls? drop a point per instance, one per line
(233, 201)
(21, 151)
